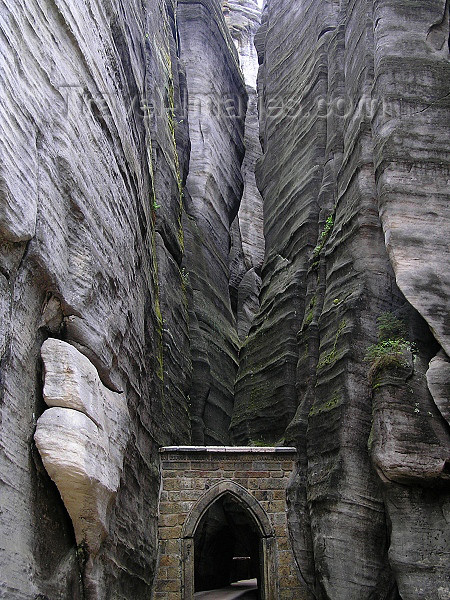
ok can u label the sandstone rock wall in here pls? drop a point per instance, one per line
(137, 251)
(90, 254)
(217, 105)
(247, 252)
(353, 139)
(119, 160)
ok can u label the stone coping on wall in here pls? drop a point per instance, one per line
(230, 449)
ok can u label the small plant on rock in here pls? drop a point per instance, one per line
(184, 278)
(324, 235)
(392, 346)
(390, 327)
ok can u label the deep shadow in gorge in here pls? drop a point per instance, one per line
(227, 546)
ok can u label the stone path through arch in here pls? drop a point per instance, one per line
(243, 590)
(192, 479)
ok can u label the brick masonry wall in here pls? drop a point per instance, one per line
(187, 475)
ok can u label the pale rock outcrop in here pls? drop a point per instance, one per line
(82, 439)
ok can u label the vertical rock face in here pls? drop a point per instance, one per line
(243, 20)
(105, 117)
(287, 191)
(96, 138)
(346, 166)
(217, 101)
(411, 131)
(90, 254)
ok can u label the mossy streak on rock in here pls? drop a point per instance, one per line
(324, 235)
(171, 121)
(335, 401)
(310, 313)
(330, 357)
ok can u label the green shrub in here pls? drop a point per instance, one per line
(386, 348)
(390, 327)
(390, 352)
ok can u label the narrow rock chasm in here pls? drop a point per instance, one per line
(221, 225)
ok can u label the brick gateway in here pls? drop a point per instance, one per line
(193, 479)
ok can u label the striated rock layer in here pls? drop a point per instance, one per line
(173, 295)
(354, 137)
(217, 102)
(90, 254)
(243, 18)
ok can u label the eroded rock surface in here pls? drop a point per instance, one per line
(438, 379)
(243, 19)
(89, 174)
(133, 234)
(345, 221)
(411, 132)
(401, 405)
(217, 101)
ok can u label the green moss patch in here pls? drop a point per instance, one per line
(392, 349)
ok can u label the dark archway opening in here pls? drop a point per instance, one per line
(227, 546)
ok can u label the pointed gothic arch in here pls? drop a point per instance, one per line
(244, 498)
(258, 516)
